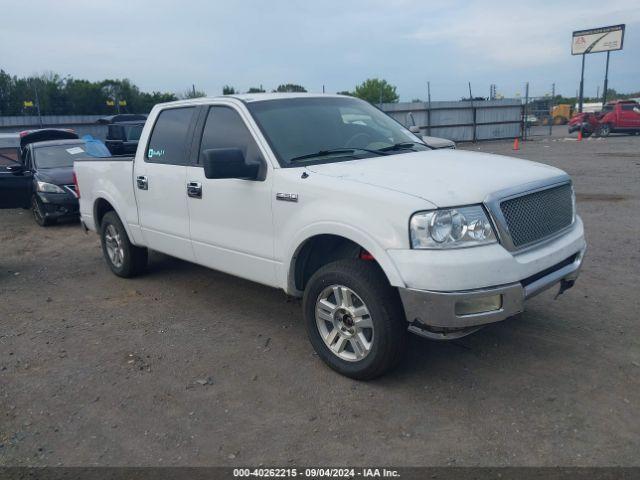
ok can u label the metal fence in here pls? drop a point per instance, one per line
(463, 121)
(82, 124)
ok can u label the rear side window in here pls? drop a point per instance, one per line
(169, 139)
(225, 129)
(630, 106)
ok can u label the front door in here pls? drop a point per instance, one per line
(231, 221)
(15, 180)
(160, 183)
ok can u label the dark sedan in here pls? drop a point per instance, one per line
(43, 179)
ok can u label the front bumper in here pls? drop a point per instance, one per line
(59, 205)
(433, 314)
(586, 127)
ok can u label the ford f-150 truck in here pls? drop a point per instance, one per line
(378, 233)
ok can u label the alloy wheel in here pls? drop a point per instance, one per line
(344, 323)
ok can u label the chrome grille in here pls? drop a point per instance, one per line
(535, 216)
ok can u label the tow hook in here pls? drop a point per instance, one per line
(564, 286)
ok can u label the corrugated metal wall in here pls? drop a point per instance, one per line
(82, 124)
(458, 121)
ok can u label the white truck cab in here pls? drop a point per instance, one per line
(331, 200)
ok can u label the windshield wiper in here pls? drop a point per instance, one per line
(331, 151)
(400, 146)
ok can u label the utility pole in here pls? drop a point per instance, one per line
(526, 109)
(429, 107)
(35, 89)
(580, 100)
(473, 110)
(553, 97)
(193, 89)
(606, 81)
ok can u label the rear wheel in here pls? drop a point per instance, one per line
(123, 257)
(354, 319)
(38, 212)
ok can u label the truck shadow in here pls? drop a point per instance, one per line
(507, 348)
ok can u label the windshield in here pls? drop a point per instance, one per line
(303, 131)
(57, 156)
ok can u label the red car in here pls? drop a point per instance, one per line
(622, 116)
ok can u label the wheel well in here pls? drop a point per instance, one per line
(323, 249)
(100, 209)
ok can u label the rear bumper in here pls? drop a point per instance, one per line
(432, 313)
(57, 205)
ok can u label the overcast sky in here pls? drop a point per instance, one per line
(169, 45)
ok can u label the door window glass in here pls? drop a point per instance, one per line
(169, 139)
(225, 128)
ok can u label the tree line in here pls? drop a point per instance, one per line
(55, 95)
(51, 94)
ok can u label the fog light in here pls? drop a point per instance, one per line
(475, 305)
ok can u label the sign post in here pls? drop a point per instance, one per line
(595, 40)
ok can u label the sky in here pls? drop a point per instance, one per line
(164, 45)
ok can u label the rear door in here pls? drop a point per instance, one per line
(231, 220)
(160, 183)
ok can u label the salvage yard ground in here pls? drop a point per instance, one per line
(188, 366)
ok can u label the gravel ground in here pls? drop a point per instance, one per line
(188, 366)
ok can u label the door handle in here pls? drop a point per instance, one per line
(143, 182)
(194, 189)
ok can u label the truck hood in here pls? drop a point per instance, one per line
(444, 178)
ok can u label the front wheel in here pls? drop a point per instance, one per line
(354, 319)
(38, 212)
(123, 257)
(605, 130)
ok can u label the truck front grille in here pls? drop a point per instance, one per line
(535, 216)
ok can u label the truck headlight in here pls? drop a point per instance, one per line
(451, 228)
(49, 188)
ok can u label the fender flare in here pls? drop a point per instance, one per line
(341, 230)
(102, 195)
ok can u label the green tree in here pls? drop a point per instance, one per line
(374, 90)
(256, 90)
(345, 92)
(228, 90)
(290, 87)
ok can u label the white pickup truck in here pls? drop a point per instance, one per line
(333, 201)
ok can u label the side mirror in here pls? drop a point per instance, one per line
(16, 169)
(228, 163)
(414, 129)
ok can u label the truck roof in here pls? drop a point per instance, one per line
(251, 97)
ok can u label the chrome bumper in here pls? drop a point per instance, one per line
(433, 314)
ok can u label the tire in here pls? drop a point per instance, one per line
(124, 259)
(38, 213)
(605, 130)
(364, 352)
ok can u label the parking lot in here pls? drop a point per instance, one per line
(188, 366)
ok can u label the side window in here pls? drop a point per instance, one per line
(225, 128)
(629, 106)
(169, 142)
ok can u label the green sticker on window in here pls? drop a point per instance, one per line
(155, 153)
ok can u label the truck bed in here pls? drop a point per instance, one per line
(110, 179)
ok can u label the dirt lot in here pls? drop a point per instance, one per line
(187, 366)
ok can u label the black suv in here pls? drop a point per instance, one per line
(123, 132)
(37, 173)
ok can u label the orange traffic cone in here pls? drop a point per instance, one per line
(579, 135)
(516, 144)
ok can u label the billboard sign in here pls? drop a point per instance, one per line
(597, 40)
